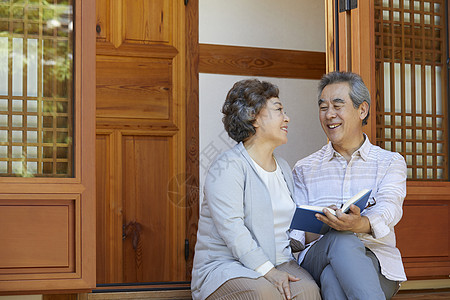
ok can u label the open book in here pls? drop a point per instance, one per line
(305, 219)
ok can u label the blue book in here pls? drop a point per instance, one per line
(305, 219)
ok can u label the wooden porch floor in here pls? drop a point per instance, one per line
(182, 291)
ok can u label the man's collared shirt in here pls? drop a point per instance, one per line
(325, 178)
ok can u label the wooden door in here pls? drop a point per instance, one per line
(141, 115)
(400, 50)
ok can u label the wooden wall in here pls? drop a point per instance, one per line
(423, 233)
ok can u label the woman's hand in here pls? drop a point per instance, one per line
(281, 280)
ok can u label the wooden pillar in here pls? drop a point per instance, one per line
(350, 47)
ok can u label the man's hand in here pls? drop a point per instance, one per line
(281, 280)
(352, 221)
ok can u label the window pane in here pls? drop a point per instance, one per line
(3, 66)
(17, 66)
(410, 58)
(32, 67)
(36, 115)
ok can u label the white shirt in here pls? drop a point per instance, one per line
(324, 178)
(283, 210)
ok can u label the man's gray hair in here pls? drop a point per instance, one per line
(358, 90)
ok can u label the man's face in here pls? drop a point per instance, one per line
(340, 120)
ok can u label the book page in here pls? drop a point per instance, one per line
(318, 209)
(353, 199)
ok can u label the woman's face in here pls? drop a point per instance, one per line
(271, 123)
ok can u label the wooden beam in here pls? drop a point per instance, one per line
(250, 61)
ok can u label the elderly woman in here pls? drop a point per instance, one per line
(242, 249)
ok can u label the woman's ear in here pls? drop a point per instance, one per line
(256, 122)
(363, 110)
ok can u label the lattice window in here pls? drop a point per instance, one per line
(36, 88)
(411, 82)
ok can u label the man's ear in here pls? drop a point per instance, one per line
(363, 110)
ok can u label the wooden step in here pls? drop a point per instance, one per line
(182, 294)
(414, 290)
(425, 289)
(157, 290)
(186, 294)
(423, 294)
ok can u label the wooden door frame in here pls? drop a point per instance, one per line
(351, 48)
(192, 131)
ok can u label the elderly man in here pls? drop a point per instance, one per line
(357, 258)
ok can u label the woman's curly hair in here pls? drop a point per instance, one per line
(243, 103)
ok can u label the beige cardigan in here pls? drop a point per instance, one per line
(235, 231)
